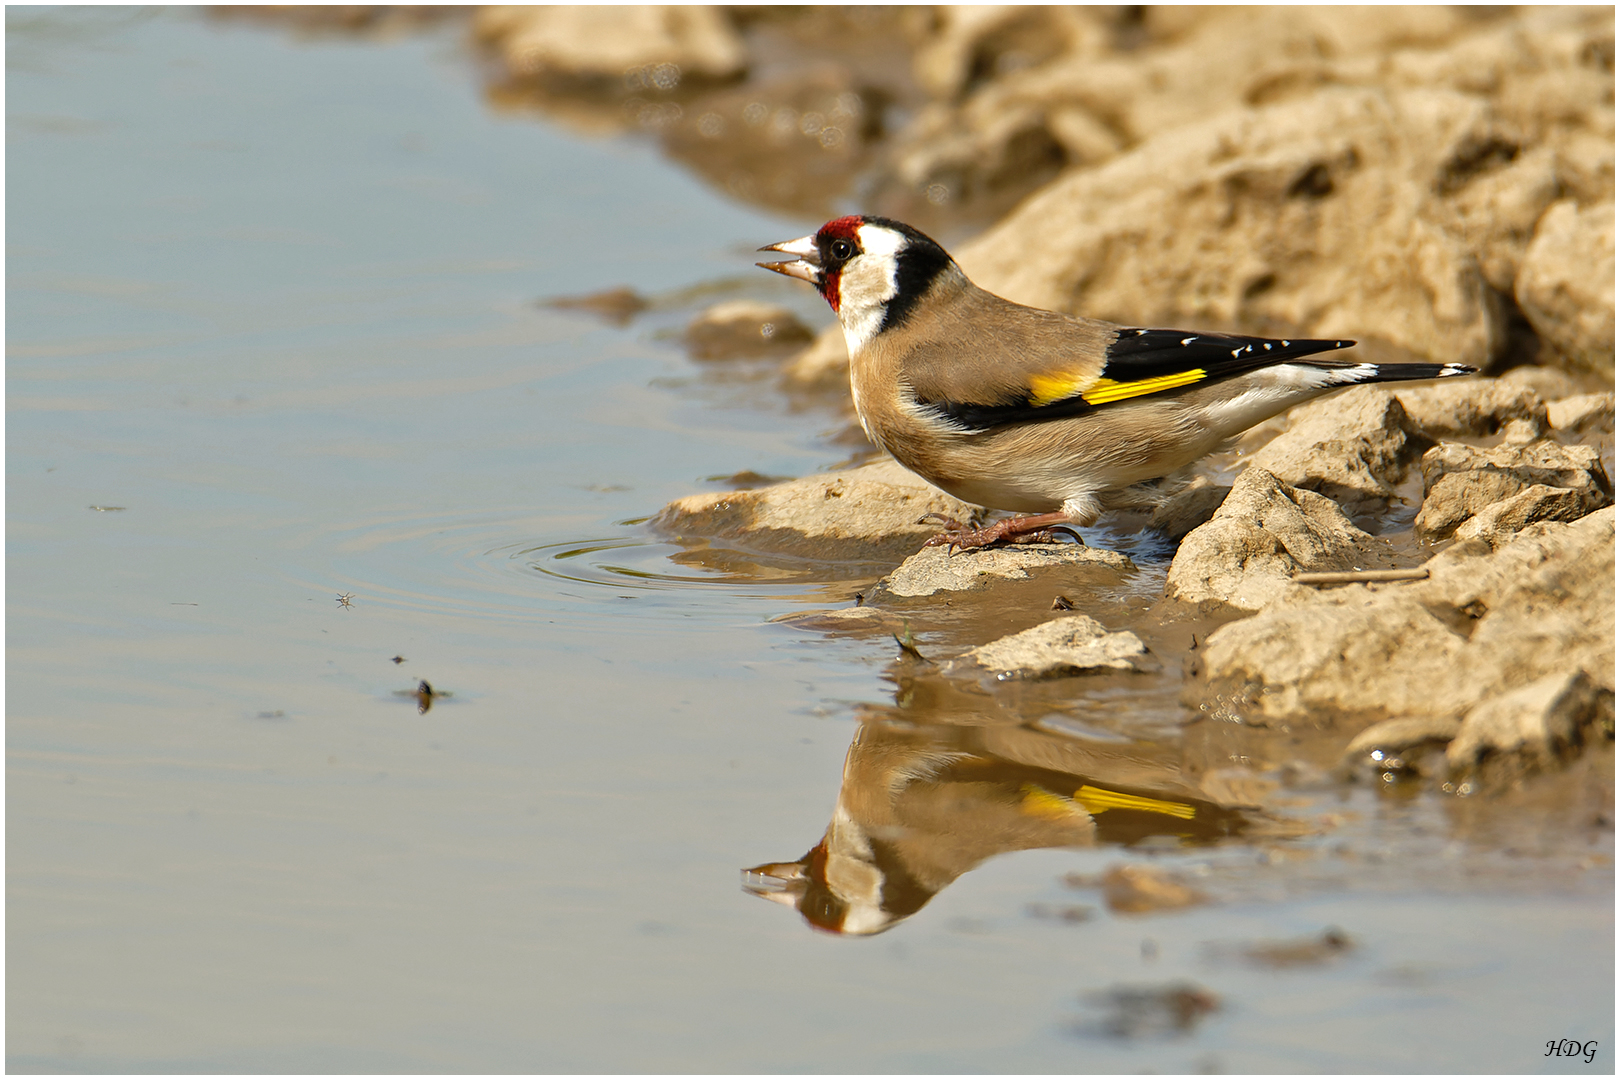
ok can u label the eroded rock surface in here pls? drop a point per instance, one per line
(868, 514)
(1485, 623)
(1068, 645)
(607, 43)
(1566, 284)
(1264, 532)
(1461, 481)
(935, 569)
(1354, 447)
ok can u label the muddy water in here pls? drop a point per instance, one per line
(272, 341)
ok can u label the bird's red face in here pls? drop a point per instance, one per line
(820, 258)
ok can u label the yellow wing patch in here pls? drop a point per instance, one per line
(1059, 385)
(1105, 390)
(1045, 389)
(1097, 801)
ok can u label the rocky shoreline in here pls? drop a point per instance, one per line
(1435, 182)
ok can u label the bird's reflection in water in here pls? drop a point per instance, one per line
(923, 803)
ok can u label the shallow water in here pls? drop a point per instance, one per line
(272, 339)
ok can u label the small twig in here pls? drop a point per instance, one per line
(1347, 577)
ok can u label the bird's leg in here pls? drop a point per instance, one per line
(1038, 527)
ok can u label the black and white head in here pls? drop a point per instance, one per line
(873, 271)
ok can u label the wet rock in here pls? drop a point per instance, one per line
(867, 514)
(1538, 724)
(1470, 406)
(1387, 745)
(617, 306)
(1264, 532)
(1460, 481)
(1353, 447)
(1069, 645)
(1497, 523)
(1583, 414)
(1484, 623)
(1565, 284)
(864, 619)
(659, 44)
(1181, 513)
(934, 569)
(1136, 889)
(744, 328)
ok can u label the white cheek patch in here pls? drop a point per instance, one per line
(867, 284)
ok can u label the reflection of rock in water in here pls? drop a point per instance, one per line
(921, 805)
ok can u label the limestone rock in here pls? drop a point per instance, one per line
(1262, 534)
(867, 514)
(1353, 447)
(934, 569)
(742, 328)
(1583, 413)
(1565, 284)
(1460, 481)
(1227, 220)
(1540, 722)
(607, 43)
(1497, 523)
(1553, 384)
(1483, 624)
(1068, 645)
(1472, 406)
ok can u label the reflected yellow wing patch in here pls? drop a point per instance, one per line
(1105, 390)
(1097, 801)
(1038, 802)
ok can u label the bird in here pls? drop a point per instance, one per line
(1047, 415)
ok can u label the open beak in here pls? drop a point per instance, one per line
(807, 265)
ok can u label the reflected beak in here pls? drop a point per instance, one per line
(807, 265)
(780, 883)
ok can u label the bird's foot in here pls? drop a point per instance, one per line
(1034, 529)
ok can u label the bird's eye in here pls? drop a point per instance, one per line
(841, 250)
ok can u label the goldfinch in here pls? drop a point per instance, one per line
(1032, 411)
